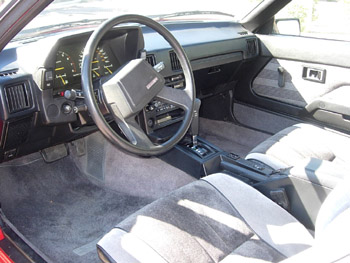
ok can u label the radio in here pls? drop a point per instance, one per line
(159, 114)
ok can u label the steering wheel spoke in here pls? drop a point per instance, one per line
(131, 129)
(139, 138)
(176, 97)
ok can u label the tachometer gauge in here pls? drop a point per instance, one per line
(65, 69)
(101, 64)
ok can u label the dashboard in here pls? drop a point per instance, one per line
(40, 80)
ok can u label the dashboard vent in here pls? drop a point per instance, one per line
(8, 73)
(175, 63)
(151, 59)
(252, 47)
(18, 97)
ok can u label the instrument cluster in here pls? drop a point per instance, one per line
(67, 71)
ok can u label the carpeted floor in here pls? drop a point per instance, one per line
(127, 173)
(64, 207)
(59, 210)
(230, 137)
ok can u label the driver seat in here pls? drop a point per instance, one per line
(221, 219)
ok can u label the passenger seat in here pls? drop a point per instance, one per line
(301, 141)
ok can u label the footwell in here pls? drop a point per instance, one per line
(61, 212)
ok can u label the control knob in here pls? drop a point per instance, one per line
(66, 108)
(70, 94)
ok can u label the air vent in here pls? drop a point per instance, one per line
(151, 59)
(18, 97)
(243, 33)
(175, 63)
(8, 73)
(252, 47)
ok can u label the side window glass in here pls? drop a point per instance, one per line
(328, 19)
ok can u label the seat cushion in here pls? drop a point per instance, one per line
(217, 218)
(332, 233)
(295, 143)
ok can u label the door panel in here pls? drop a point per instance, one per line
(300, 77)
(287, 81)
(321, 51)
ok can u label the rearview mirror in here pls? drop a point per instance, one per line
(288, 26)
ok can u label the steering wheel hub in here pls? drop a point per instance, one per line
(133, 87)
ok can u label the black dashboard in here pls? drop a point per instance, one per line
(41, 99)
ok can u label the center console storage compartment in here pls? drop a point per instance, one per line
(233, 164)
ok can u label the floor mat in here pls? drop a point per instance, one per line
(230, 137)
(59, 210)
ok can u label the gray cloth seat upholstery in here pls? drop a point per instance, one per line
(301, 141)
(218, 219)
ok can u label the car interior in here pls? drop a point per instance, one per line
(152, 140)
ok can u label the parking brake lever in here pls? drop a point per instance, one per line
(194, 128)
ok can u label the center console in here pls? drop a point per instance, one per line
(199, 158)
(205, 159)
(301, 190)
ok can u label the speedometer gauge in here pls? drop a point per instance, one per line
(101, 64)
(64, 70)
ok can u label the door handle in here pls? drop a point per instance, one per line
(314, 74)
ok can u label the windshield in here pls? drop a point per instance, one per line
(73, 13)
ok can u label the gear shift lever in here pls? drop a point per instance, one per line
(194, 128)
(200, 149)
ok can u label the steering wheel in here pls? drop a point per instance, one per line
(127, 91)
